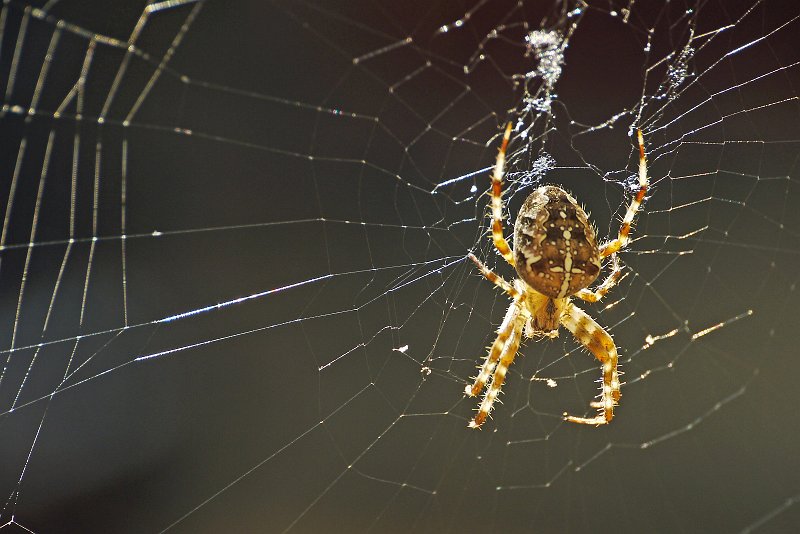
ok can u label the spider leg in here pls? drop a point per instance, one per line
(495, 278)
(506, 358)
(500, 242)
(599, 342)
(624, 231)
(611, 280)
(503, 334)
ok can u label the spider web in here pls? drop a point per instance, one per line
(235, 293)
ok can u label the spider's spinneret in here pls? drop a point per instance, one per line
(555, 245)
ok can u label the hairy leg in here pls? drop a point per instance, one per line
(500, 242)
(599, 342)
(624, 231)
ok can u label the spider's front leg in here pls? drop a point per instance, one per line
(504, 333)
(502, 351)
(506, 346)
(599, 342)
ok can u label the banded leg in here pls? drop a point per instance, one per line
(624, 231)
(495, 278)
(506, 359)
(611, 280)
(505, 331)
(599, 342)
(500, 242)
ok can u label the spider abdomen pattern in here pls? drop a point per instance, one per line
(555, 245)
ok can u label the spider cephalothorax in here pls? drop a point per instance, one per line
(556, 257)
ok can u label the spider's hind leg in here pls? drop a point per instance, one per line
(611, 280)
(499, 241)
(624, 237)
(495, 278)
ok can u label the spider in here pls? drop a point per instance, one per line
(556, 257)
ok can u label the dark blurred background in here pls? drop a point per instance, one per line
(159, 163)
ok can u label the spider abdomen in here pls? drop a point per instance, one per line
(555, 245)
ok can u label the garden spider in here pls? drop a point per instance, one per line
(556, 257)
